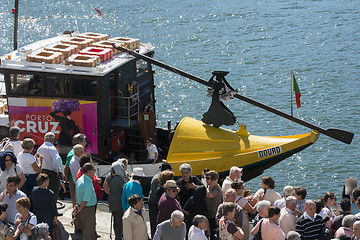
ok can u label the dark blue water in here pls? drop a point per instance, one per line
(259, 42)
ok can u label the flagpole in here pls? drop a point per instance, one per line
(291, 103)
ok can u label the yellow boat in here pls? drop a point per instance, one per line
(201, 145)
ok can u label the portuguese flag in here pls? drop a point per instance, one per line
(296, 89)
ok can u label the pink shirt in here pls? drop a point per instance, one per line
(345, 230)
(270, 230)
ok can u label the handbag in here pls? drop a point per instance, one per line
(258, 235)
(56, 233)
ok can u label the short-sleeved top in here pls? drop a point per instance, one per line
(11, 202)
(26, 160)
(85, 191)
(97, 187)
(51, 156)
(4, 174)
(214, 202)
(74, 166)
(227, 229)
(241, 201)
(17, 146)
(30, 220)
(239, 214)
(152, 150)
(68, 159)
(5, 230)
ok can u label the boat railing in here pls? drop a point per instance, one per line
(125, 108)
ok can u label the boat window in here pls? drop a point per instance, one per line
(58, 86)
(26, 84)
(85, 87)
(141, 67)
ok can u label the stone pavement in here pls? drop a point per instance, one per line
(103, 218)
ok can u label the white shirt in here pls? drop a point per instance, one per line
(26, 160)
(270, 195)
(5, 174)
(281, 203)
(287, 220)
(152, 150)
(32, 220)
(226, 185)
(51, 156)
(74, 166)
(17, 146)
(196, 233)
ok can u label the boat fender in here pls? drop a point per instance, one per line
(134, 89)
(148, 108)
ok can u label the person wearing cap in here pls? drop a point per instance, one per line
(187, 183)
(132, 187)
(153, 202)
(235, 173)
(167, 202)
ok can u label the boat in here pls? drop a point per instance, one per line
(104, 88)
(217, 148)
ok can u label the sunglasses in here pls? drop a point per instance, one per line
(208, 178)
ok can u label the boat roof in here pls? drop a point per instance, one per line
(17, 62)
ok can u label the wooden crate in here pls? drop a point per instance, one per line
(80, 42)
(130, 43)
(95, 36)
(106, 44)
(46, 57)
(82, 60)
(65, 49)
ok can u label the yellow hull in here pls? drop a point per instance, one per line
(219, 149)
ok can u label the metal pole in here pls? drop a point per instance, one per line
(341, 135)
(291, 102)
(16, 16)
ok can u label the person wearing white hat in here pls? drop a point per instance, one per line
(132, 187)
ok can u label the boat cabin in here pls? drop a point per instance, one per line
(81, 84)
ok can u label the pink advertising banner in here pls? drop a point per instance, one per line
(63, 117)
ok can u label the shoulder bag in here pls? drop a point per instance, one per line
(258, 235)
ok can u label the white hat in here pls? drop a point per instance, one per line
(138, 171)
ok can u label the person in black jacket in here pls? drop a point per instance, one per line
(187, 183)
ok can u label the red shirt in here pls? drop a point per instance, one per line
(98, 190)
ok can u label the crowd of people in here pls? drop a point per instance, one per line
(185, 208)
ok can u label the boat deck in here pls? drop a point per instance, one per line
(16, 60)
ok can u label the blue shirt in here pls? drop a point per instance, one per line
(130, 188)
(85, 191)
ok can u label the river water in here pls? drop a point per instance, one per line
(259, 42)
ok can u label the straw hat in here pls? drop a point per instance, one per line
(138, 171)
(170, 184)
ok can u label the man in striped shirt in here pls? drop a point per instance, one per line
(310, 225)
